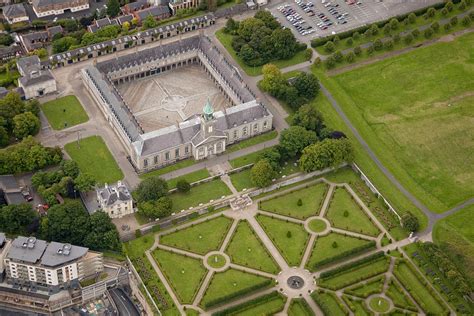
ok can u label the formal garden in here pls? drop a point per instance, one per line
(235, 262)
(64, 112)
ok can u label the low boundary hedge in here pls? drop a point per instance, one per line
(256, 301)
(352, 265)
(344, 255)
(230, 297)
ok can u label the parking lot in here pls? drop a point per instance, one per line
(318, 18)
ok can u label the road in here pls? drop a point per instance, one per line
(123, 302)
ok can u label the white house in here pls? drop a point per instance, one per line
(35, 81)
(115, 200)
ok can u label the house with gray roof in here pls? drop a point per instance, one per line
(15, 13)
(50, 266)
(44, 8)
(115, 200)
(98, 24)
(35, 81)
(157, 12)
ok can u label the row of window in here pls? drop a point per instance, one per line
(168, 156)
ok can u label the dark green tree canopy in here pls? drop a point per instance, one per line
(307, 85)
(113, 8)
(151, 189)
(14, 219)
(294, 139)
(262, 173)
(327, 153)
(308, 117)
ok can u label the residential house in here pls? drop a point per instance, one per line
(15, 13)
(135, 6)
(115, 200)
(98, 24)
(36, 40)
(44, 8)
(125, 18)
(157, 12)
(9, 52)
(176, 5)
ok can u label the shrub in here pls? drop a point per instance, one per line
(308, 53)
(449, 6)
(356, 35)
(346, 213)
(334, 244)
(387, 29)
(378, 44)
(330, 62)
(338, 56)
(329, 47)
(351, 265)
(344, 255)
(183, 186)
(428, 32)
(248, 304)
(466, 21)
(462, 6)
(431, 12)
(138, 233)
(412, 18)
(299, 203)
(288, 234)
(370, 50)
(396, 38)
(415, 33)
(336, 39)
(435, 26)
(454, 20)
(408, 38)
(350, 57)
(349, 41)
(447, 27)
(444, 11)
(388, 44)
(357, 50)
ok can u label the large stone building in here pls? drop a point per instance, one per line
(198, 136)
(115, 200)
(44, 8)
(34, 80)
(35, 263)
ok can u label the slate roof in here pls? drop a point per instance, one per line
(124, 18)
(133, 6)
(45, 3)
(57, 254)
(114, 193)
(153, 11)
(53, 30)
(27, 249)
(14, 10)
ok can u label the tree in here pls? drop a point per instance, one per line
(149, 22)
(25, 124)
(462, 5)
(268, 19)
(159, 208)
(329, 47)
(357, 50)
(428, 32)
(415, 33)
(338, 57)
(396, 38)
(4, 139)
(394, 24)
(336, 39)
(84, 182)
(151, 189)
(103, 234)
(272, 155)
(378, 44)
(431, 12)
(307, 85)
(70, 168)
(387, 29)
(330, 62)
(68, 223)
(126, 26)
(273, 80)
(183, 186)
(113, 8)
(408, 38)
(466, 21)
(374, 29)
(454, 20)
(327, 153)
(350, 57)
(412, 18)
(262, 173)
(6, 40)
(15, 218)
(349, 41)
(63, 44)
(410, 222)
(309, 117)
(248, 27)
(388, 44)
(444, 11)
(294, 139)
(231, 26)
(284, 43)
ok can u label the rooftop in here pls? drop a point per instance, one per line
(27, 249)
(14, 10)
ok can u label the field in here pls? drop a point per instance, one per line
(226, 41)
(345, 213)
(422, 118)
(289, 238)
(241, 180)
(299, 307)
(93, 157)
(190, 177)
(246, 249)
(64, 112)
(287, 204)
(200, 238)
(329, 303)
(202, 193)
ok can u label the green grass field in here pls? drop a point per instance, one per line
(356, 220)
(290, 238)
(226, 41)
(366, 289)
(200, 238)
(456, 235)
(245, 248)
(317, 225)
(228, 282)
(270, 307)
(356, 274)
(357, 306)
(418, 290)
(299, 307)
(201, 193)
(287, 204)
(398, 297)
(323, 247)
(185, 274)
(93, 157)
(245, 160)
(64, 112)
(329, 303)
(190, 177)
(422, 118)
(241, 180)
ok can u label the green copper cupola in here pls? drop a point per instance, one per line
(208, 111)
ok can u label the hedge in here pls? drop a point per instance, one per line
(344, 254)
(324, 308)
(351, 265)
(322, 40)
(229, 297)
(256, 301)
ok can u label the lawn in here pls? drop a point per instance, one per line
(411, 281)
(329, 303)
(245, 248)
(173, 167)
(357, 306)
(199, 238)
(246, 160)
(93, 157)
(345, 213)
(226, 41)
(185, 274)
(299, 307)
(355, 274)
(456, 235)
(64, 112)
(332, 119)
(379, 304)
(198, 194)
(421, 118)
(268, 307)
(311, 197)
(366, 289)
(242, 180)
(190, 177)
(290, 238)
(324, 249)
(398, 297)
(252, 141)
(224, 284)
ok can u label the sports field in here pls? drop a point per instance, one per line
(416, 111)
